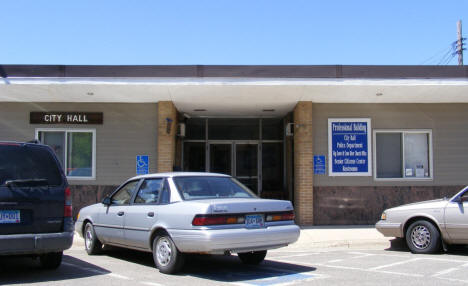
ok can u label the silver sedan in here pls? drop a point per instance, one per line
(172, 214)
(430, 224)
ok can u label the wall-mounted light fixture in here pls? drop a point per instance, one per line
(168, 125)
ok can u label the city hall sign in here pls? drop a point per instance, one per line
(65, 117)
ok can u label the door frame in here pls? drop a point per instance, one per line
(233, 144)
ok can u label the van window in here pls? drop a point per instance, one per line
(25, 162)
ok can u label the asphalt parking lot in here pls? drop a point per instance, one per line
(331, 266)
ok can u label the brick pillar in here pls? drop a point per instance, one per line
(303, 163)
(167, 115)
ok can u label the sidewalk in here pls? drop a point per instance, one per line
(315, 237)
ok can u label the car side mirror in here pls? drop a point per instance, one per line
(106, 201)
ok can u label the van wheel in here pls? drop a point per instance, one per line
(422, 237)
(92, 243)
(253, 257)
(51, 260)
(167, 257)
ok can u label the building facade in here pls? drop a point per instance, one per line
(341, 142)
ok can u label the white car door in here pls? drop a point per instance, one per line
(456, 218)
(111, 219)
(143, 212)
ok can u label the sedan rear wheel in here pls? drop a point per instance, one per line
(92, 243)
(167, 257)
(253, 257)
(423, 237)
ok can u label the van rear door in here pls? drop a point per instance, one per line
(32, 189)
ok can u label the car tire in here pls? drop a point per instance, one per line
(253, 257)
(92, 244)
(51, 260)
(167, 257)
(422, 237)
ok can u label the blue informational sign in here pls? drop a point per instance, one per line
(349, 147)
(142, 164)
(319, 164)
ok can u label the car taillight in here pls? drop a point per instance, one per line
(68, 210)
(280, 216)
(201, 220)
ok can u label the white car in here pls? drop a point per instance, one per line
(170, 214)
(427, 225)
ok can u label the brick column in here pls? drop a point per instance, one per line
(303, 163)
(167, 128)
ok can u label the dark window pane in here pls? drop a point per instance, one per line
(233, 129)
(272, 129)
(389, 155)
(272, 169)
(220, 158)
(194, 156)
(28, 162)
(246, 160)
(195, 129)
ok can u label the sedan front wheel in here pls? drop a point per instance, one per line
(92, 243)
(423, 237)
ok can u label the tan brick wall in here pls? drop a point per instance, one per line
(303, 163)
(166, 141)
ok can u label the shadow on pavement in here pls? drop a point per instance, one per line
(230, 269)
(224, 268)
(21, 270)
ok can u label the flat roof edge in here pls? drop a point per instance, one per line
(236, 71)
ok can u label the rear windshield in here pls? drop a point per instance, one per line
(197, 188)
(28, 162)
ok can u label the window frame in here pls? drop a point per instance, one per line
(74, 130)
(403, 132)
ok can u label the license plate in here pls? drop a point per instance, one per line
(10, 216)
(254, 221)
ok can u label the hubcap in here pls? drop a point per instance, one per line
(89, 238)
(163, 251)
(421, 237)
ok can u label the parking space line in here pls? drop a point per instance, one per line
(151, 283)
(446, 271)
(293, 255)
(352, 268)
(394, 264)
(334, 261)
(119, 276)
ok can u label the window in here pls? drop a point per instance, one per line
(123, 196)
(403, 154)
(75, 150)
(149, 191)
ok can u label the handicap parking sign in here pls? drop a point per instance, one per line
(142, 166)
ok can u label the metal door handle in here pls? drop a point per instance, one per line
(151, 214)
(121, 213)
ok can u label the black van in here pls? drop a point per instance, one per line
(35, 203)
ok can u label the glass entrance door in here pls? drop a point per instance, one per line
(221, 158)
(247, 165)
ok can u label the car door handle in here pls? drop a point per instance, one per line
(121, 213)
(151, 214)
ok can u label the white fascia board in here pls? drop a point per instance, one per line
(234, 81)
